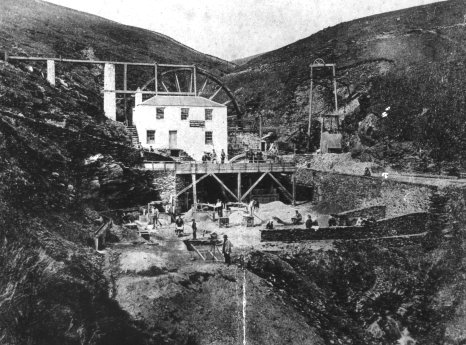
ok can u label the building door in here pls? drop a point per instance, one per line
(172, 140)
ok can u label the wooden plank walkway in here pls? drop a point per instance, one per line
(217, 168)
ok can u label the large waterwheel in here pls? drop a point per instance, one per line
(195, 81)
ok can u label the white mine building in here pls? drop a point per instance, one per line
(190, 123)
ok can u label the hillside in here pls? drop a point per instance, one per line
(40, 28)
(411, 60)
(61, 161)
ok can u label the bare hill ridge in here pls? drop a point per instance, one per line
(40, 28)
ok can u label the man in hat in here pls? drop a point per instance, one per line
(226, 249)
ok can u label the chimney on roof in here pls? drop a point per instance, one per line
(138, 97)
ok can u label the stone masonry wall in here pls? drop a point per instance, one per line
(240, 142)
(352, 191)
(165, 183)
(377, 212)
(408, 224)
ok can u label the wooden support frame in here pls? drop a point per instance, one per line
(216, 93)
(165, 87)
(198, 252)
(287, 194)
(177, 83)
(253, 186)
(187, 188)
(224, 186)
(203, 86)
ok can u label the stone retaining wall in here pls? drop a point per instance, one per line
(347, 192)
(376, 212)
(408, 224)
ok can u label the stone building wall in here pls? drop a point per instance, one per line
(352, 191)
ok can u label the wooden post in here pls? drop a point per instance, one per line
(239, 186)
(6, 56)
(155, 79)
(195, 79)
(335, 89)
(96, 242)
(310, 113)
(194, 190)
(293, 179)
(125, 88)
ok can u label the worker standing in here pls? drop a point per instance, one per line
(214, 156)
(179, 223)
(156, 217)
(194, 226)
(222, 157)
(226, 249)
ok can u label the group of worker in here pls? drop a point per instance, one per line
(309, 223)
(212, 157)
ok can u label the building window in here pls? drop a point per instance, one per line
(160, 113)
(151, 137)
(208, 114)
(184, 113)
(208, 138)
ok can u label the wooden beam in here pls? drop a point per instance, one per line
(177, 83)
(125, 77)
(203, 86)
(224, 186)
(239, 186)
(187, 188)
(215, 93)
(165, 87)
(287, 194)
(293, 179)
(253, 186)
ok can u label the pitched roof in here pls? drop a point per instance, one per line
(181, 101)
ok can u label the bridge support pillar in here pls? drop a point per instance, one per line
(109, 91)
(194, 191)
(51, 72)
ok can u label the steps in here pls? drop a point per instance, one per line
(134, 135)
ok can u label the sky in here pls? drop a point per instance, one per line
(236, 28)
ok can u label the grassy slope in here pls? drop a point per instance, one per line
(410, 60)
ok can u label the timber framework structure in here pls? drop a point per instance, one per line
(256, 173)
